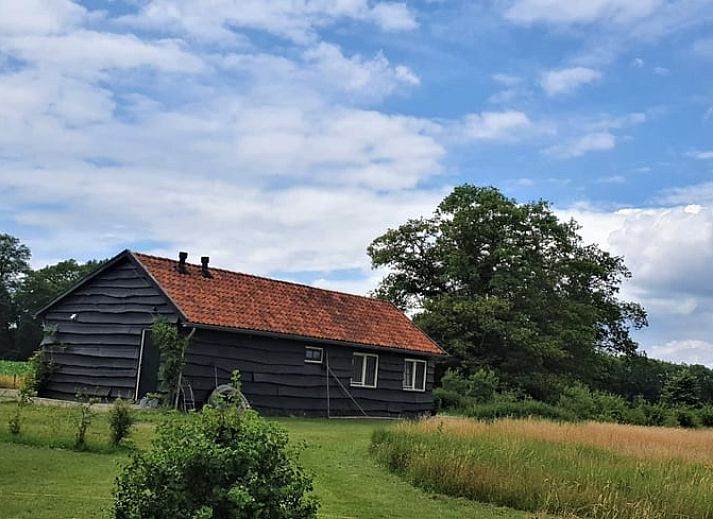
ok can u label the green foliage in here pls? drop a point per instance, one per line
(681, 390)
(519, 409)
(39, 368)
(121, 419)
(508, 286)
(84, 420)
(172, 347)
(14, 264)
(15, 421)
(220, 464)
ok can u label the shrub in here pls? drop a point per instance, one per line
(687, 417)
(218, 464)
(521, 409)
(85, 419)
(705, 415)
(120, 421)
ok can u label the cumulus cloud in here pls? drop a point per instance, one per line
(688, 351)
(669, 250)
(566, 81)
(494, 125)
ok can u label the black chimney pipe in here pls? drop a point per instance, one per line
(181, 267)
(204, 267)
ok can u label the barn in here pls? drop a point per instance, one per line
(300, 350)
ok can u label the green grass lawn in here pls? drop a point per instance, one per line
(37, 481)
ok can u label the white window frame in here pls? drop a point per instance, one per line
(413, 374)
(321, 355)
(363, 370)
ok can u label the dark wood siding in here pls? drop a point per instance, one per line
(276, 380)
(97, 352)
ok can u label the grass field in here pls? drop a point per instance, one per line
(603, 471)
(37, 481)
(11, 373)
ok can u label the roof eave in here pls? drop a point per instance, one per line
(320, 340)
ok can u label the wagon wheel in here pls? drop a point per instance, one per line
(226, 395)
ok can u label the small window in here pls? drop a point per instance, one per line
(313, 355)
(414, 375)
(365, 367)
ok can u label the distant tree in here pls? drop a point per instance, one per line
(14, 264)
(38, 288)
(681, 390)
(510, 287)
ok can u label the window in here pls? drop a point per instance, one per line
(364, 370)
(414, 375)
(313, 355)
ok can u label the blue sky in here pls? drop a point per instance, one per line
(280, 137)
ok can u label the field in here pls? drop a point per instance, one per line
(593, 470)
(37, 481)
(11, 373)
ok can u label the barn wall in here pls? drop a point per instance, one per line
(97, 353)
(276, 380)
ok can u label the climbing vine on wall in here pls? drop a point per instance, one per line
(172, 347)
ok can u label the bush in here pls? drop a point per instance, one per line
(86, 414)
(687, 418)
(120, 421)
(217, 464)
(521, 409)
(705, 415)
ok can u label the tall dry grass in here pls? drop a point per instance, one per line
(649, 443)
(603, 471)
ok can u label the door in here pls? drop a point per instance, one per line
(149, 359)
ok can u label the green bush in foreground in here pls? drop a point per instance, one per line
(540, 476)
(217, 464)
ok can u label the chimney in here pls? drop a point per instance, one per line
(204, 267)
(181, 267)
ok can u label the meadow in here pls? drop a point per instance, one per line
(596, 470)
(12, 373)
(42, 477)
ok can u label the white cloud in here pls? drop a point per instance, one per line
(599, 141)
(661, 71)
(494, 125)
(669, 251)
(567, 11)
(700, 155)
(36, 17)
(217, 20)
(688, 351)
(392, 16)
(566, 81)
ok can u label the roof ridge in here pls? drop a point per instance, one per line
(274, 280)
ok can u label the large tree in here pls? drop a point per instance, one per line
(509, 286)
(14, 264)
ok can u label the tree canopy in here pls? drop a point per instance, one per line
(508, 286)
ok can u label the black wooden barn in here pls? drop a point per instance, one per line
(299, 349)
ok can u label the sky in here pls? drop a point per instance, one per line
(281, 137)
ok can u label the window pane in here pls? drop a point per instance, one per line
(408, 374)
(313, 354)
(420, 375)
(370, 371)
(357, 365)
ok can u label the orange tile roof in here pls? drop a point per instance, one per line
(241, 301)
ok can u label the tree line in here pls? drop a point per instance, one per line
(23, 291)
